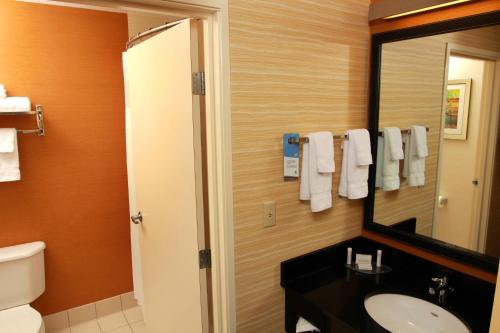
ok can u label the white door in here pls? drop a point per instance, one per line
(462, 164)
(166, 173)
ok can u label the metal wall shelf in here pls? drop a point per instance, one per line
(38, 112)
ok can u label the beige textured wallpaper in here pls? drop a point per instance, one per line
(296, 66)
(411, 94)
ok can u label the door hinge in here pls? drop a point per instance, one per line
(205, 258)
(199, 83)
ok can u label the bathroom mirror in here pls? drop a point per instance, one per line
(443, 77)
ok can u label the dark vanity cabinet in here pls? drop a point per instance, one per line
(319, 288)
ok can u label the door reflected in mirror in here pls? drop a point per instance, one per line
(449, 84)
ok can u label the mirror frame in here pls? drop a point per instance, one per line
(457, 253)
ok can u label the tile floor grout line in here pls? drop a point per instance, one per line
(98, 325)
(71, 329)
(67, 318)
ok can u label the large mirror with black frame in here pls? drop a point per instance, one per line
(434, 123)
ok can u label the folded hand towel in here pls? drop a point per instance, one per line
(379, 178)
(305, 186)
(355, 161)
(394, 142)
(393, 147)
(323, 142)
(415, 152)
(360, 138)
(15, 104)
(3, 92)
(315, 186)
(406, 166)
(9, 160)
(420, 134)
(305, 326)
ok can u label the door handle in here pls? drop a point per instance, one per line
(442, 201)
(136, 219)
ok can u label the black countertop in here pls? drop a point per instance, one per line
(331, 296)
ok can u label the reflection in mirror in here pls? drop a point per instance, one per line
(445, 83)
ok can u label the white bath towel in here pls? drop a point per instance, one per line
(3, 92)
(315, 186)
(7, 140)
(393, 147)
(9, 157)
(305, 326)
(15, 104)
(355, 161)
(415, 153)
(379, 178)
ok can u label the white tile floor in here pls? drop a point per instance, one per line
(119, 314)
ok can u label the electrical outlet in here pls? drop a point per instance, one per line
(269, 214)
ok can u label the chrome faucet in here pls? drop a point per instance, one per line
(440, 287)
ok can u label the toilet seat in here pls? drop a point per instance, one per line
(21, 319)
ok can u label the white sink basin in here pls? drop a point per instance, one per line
(405, 314)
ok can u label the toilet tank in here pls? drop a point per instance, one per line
(22, 274)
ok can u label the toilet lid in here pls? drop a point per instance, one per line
(20, 319)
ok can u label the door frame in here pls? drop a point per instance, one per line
(490, 101)
(214, 14)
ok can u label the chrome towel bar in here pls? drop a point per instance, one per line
(345, 137)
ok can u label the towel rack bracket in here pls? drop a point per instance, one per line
(39, 119)
(38, 112)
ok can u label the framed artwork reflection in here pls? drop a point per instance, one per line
(457, 109)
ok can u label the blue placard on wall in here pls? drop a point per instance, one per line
(290, 157)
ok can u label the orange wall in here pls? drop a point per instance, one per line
(73, 192)
(446, 13)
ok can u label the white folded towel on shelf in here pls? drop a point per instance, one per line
(3, 92)
(393, 152)
(415, 153)
(305, 326)
(316, 185)
(9, 157)
(15, 104)
(355, 161)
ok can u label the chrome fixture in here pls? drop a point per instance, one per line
(305, 139)
(38, 112)
(344, 136)
(148, 33)
(441, 288)
(136, 219)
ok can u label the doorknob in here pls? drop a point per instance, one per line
(136, 219)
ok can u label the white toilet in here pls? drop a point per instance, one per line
(22, 280)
